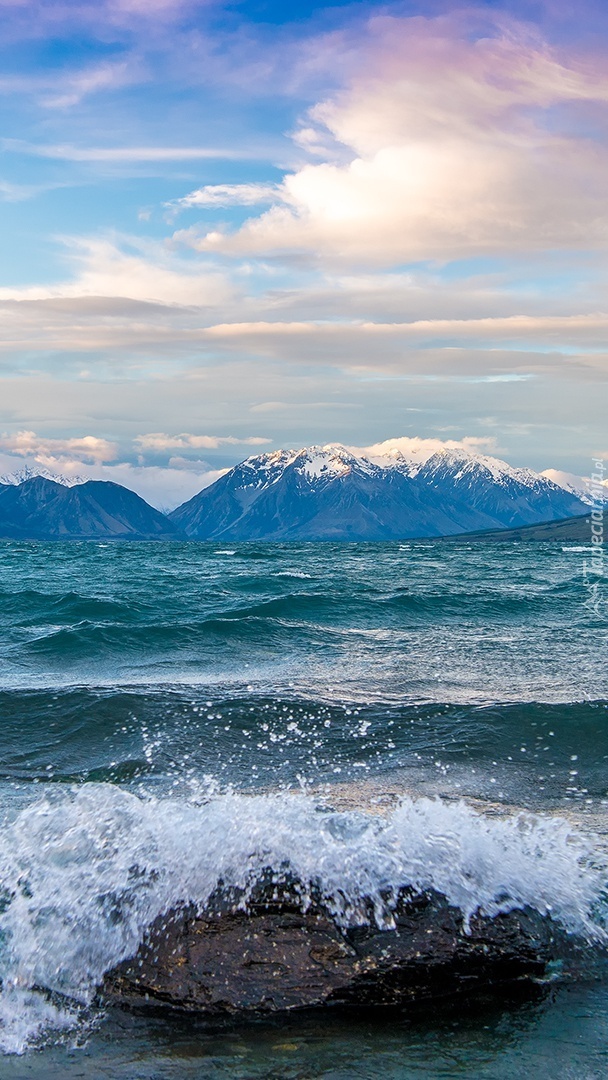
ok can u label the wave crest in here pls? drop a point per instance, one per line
(83, 875)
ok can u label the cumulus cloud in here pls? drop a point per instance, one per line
(420, 450)
(158, 442)
(46, 451)
(455, 143)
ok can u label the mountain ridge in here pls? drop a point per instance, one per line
(315, 493)
(577, 529)
(42, 509)
(331, 493)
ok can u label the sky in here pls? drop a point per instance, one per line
(233, 227)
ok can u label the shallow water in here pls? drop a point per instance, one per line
(564, 1037)
(173, 713)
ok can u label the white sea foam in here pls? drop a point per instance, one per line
(84, 874)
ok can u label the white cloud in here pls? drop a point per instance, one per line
(222, 195)
(445, 140)
(572, 482)
(163, 487)
(79, 84)
(49, 452)
(150, 9)
(125, 317)
(10, 192)
(133, 313)
(157, 441)
(119, 154)
(137, 270)
(455, 145)
(592, 327)
(565, 345)
(419, 449)
(64, 89)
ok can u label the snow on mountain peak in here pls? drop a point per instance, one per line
(29, 473)
(328, 461)
(587, 491)
(321, 461)
(424, 457)
(411, 455)
(313, 462)
(466, 462)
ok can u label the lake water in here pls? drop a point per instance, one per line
(174, 713)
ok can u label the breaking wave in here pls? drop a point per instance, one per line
(84, 873)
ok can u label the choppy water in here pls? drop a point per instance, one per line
(176, 713)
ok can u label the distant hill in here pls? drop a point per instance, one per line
(574, 528)
(41, 509)
(329, 493)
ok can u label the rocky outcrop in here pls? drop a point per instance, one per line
(274, 956)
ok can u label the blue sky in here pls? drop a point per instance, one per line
(232, 227)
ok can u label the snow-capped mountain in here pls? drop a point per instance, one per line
(587, 491)
(29, 473)
(331, 493)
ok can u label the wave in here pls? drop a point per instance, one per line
(525, 750)
(348, 599)
(83, 874)
(292, 624)
(100, 644)
(30, 605)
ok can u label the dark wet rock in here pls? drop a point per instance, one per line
(274, 956)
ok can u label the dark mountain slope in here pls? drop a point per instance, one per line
(329, 493)
(576, 529)
(41, 509)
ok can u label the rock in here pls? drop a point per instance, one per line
(274, 956)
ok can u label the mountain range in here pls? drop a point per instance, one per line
(330, 493)
(317, 493)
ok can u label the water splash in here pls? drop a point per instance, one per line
(83, 874)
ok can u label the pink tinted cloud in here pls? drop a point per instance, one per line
(457, 146)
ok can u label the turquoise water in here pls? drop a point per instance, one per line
(159, 702)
